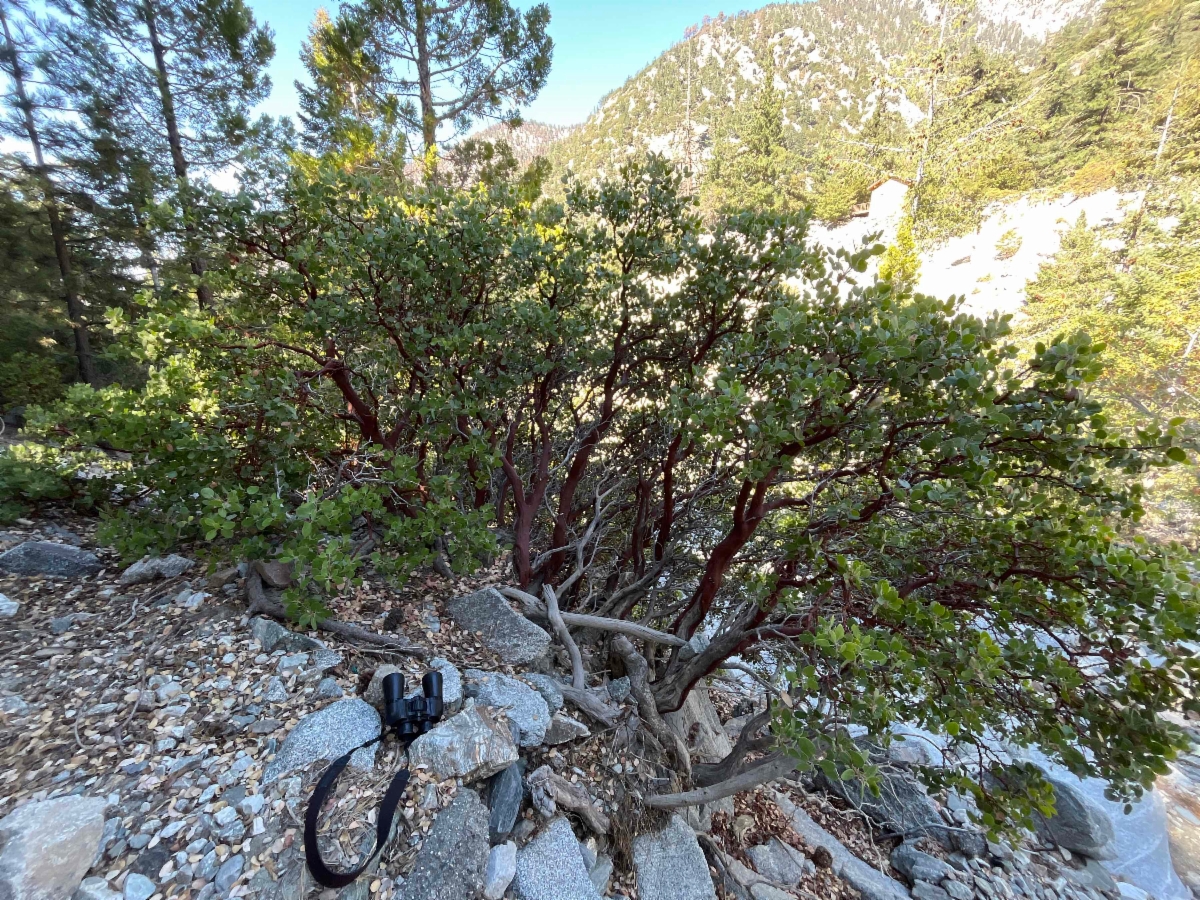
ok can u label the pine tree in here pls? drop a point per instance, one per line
(342, 118)
(752, 167)
(27, 109)
(901, 265)
(422, 67)
(970, 148)
(1119, 98)
(190, 72)
(36, 343)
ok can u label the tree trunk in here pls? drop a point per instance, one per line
(1163, 137)
(83, 349)
(178, 160)
(145, 245)
(425, 83)
(672, 689)
(929, 116)
(772, 768)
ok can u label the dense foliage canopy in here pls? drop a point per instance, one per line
(663, 409)
(736, 436)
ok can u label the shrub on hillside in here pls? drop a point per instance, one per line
(723, 431)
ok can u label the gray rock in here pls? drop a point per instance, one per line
(137, 887)
(45, 558)
(915, 864)
(233, 833)
(1000, 849)
(619, 689)
(328, 689)
(225, 815)
(95, 889)
(550, 867)
(694, 647)
(454, 856)
(671, 866)
(151, 860)
(601, 872)
(46, 847)
(563, 728)
(151, 568)
(1079, 823)
(923, 890)
(228, 874)
(504, 631)
(168, 692)
(697, 724)
(14, 705)
(192, 600)
(324, 659)
(275, 574)
(957, 890)
(1131, 892)
(523, 831)
(8, 608)
(901, 807)
(508, 790)
(327, 734)
(589, 848)
(1092, 875)
(548, 687)
(208, 865)
(63, 534)
(762, 891)
(522, 704)
(470, 746)
(275, 692)
(501, 869)
(871, 883)
(292, 664)
(778, 862)
(273, 636)
(452, 684)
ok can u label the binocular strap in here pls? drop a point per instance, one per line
(383, 826)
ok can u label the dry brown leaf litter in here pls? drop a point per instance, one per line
(96, 725)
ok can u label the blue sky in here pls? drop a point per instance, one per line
(597, 45)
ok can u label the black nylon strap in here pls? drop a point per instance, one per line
(383, 826)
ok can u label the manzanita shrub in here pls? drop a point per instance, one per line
(727, 433)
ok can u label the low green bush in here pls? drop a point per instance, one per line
(32, 475)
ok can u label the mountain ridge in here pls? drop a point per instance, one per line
(836, 64)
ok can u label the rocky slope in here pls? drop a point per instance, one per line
(836, 63)
(161, 744)
(990, 266)
(528, 141)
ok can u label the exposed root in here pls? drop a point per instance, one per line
(774, 767)
(636, 668)
(260, 605)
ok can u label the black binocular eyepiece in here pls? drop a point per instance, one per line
(413, 716)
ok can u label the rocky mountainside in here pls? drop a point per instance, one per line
(837, 64)
(528, 141)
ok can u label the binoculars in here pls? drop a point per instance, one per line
(411, 717)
